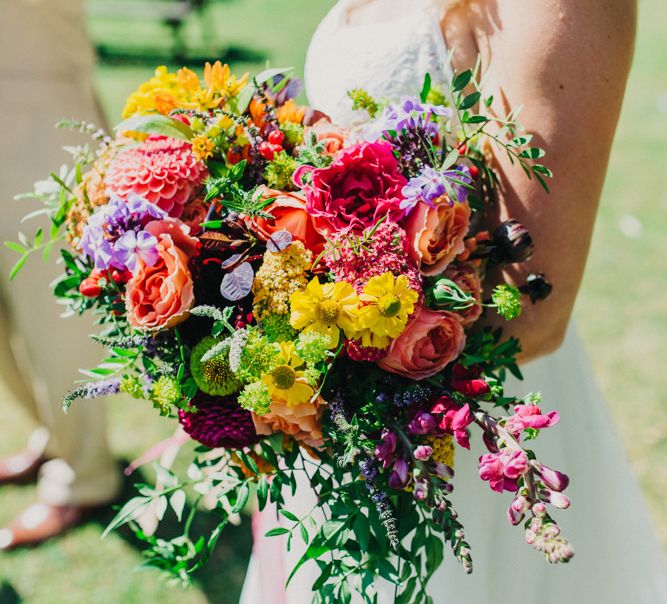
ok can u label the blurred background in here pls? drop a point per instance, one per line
(621, 312)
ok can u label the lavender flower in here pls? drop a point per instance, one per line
(430, 185)
(409, 114)
(92, 390)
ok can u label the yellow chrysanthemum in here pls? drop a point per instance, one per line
(326, 308)
(160, 93)
(167, 91)
(202, 147)
(287, 382)
(389, 302)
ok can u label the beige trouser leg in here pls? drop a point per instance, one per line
(45, 75)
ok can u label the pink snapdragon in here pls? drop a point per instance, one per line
(455, 420)
(386, 448)
(502, 469)
(422, 423)
(530, 416)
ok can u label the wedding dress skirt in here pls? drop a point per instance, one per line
(618, 559)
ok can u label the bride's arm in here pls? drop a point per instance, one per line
(566, 62)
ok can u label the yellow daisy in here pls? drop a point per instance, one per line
(325, 308)
(389, 302)
(286, 381)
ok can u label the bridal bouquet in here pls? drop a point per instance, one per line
(305, 301)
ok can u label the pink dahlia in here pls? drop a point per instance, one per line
(219, 422)
(162, 170)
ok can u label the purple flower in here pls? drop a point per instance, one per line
(399, 477)
(430, 185)
(409, 114)
(423, 452)
(384, 451)
(422, 423)
(133, 246)
(114, 235)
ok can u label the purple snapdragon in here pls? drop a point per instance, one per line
(114, 236)
(411, 115)
(430, 185)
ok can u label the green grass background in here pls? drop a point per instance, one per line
(621, 312)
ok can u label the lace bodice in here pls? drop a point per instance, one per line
(388, 58)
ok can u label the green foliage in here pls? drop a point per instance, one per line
(507, 299)
(363, 101)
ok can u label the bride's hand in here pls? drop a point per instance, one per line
(566, 62)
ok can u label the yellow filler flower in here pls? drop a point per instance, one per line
(286, 381)
(389, 302)
(326, 308)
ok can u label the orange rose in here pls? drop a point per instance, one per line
(302, 421)
(333, 136)
(436, 234)
(160, 296)
(467, 278)
(289, 213)
(432, 340)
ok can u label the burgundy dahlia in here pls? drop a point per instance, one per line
(219, 422)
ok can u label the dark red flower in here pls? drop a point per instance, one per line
(468, 382)
(219, 422)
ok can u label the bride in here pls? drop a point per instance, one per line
(566, 62)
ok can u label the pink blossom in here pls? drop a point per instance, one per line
(422, 423)
(399, 477)
(503, 469)
(423, 452)
(468, 381)
(530, 416)
(455, 420)
(386, 448)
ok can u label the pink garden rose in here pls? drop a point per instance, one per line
(361, 186)
(160, 296)
(436, 234)
(432, 340)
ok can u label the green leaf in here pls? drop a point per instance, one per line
(287, 514)
(274, 532)
(262, 492)
(20, 263)
(331, 528)
(156, 123)
(461, 80)
(177, 503)
(15, 247)
(476, 119)
(470, 101)
(426, 88)
(532, 153)
(241, 498)
(132, 510)
(362, 531)
(269, 74)
(451, 159)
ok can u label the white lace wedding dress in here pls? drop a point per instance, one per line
(618, 559)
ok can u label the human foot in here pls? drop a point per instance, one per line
(38, 523)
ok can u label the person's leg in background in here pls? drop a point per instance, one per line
(45, 75)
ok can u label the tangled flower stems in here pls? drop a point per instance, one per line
(92, 390)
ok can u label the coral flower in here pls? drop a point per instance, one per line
(389, 302)
(286, 382)
(162, 170)
(302, 422)
(326, 308)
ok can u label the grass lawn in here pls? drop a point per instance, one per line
(622, 310)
